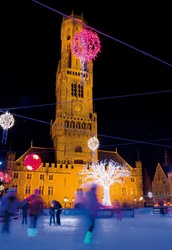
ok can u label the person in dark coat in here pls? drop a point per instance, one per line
(9, 207)
(52, 214)
(161, 205)
(58, 208)
(24, 207)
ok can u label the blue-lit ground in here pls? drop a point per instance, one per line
(143, 232)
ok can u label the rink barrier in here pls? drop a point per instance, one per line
(102, 213)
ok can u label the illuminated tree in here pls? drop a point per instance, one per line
(105, 174)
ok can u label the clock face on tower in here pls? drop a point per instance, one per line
(77, 108)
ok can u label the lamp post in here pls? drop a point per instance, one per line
(65, 200)
(141, 201)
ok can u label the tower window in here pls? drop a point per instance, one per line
(78, 149)
(77, 90)
(73, 89)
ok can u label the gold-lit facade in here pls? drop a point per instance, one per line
(74, 124)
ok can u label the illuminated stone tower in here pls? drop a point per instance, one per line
(75, 122)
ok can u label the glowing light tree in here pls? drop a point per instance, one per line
(105, 174)
(85, 45)
(6, 122)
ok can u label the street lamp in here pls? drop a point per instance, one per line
(65, 200)
(141, 200)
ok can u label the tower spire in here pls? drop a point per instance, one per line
(166, 161)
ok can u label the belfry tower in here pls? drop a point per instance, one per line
(75, 121)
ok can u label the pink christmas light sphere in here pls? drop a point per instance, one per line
(32, 162)
(85, 45)
(1, 176)
(6, 177)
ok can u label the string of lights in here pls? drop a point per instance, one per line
(129, 141)
(117, 40)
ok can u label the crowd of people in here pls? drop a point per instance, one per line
(33, 206)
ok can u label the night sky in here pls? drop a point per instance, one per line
(132, 74)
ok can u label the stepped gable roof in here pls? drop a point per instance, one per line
(159, 170)
(111, 155)
(47, 155)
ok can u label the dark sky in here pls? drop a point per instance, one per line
(132, 74)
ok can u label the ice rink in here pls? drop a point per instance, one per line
(143, 232)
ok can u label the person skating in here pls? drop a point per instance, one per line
(58, 208)
(9, 207)
(52, 214)
(36, 206)
(91, 206)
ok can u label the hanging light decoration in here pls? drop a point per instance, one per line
(6, 122)
(85, 45)
(1, 176)
(32, 161)
(93, 143)
(5, 177)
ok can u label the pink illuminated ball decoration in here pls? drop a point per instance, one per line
(1, 176)
(85, 45)
(32, 162)
(5, 177)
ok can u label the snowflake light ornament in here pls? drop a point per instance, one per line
(93, 143)
(6, 122)
(150, 195)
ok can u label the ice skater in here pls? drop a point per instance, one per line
(36, 206)
(52, 214)
(91, 205)
(58, 208)
(9, 207)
